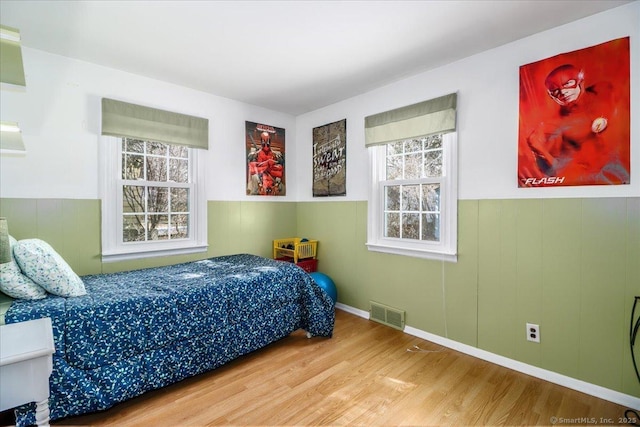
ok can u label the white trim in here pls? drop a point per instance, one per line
(112, 249)
(412, 252)
(352, 310)
(139, 254)
(9, 151)
(446, 249)
(10, 87)
(546, 375)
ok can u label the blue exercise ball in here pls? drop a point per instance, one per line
(326, 284)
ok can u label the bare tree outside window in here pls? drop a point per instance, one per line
(155, 191)
(412, 189)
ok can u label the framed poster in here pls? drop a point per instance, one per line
(265, 160)
(574, 126)
(330, 159)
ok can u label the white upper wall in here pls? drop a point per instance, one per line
(59, 114)
(488, 88)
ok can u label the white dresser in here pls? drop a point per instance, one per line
(25, 366)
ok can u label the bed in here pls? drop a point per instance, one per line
(141, 330)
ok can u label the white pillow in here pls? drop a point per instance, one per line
(14, 283)
(42, 264)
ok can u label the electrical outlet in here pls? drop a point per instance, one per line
(533, 332)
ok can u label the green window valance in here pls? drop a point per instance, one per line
(424, 118)
(11, 57)
(135, 121)
(11, 138)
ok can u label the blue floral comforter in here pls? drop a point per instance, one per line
(140, 330)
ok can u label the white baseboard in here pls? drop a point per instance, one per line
(553, 377)
(352, 310)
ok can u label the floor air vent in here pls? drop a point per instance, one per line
(386, 315)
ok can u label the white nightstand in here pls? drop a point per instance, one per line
(25, 366)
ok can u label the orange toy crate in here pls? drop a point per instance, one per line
(294, 247)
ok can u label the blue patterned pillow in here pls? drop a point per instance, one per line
(14, 283)
(42, 264)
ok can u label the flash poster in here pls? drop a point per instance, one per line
(265, 160)
(330, 159)
(574, 126)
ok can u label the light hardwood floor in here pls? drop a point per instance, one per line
(363, 376)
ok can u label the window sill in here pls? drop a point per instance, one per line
(115, 256)
(416, 253)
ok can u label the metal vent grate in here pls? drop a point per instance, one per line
(386, 315)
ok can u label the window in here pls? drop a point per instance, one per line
(155, 191)
(152, 199)
(412, 206)
(413, 201)
(152, 182)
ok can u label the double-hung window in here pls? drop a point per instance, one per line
(413, 190)
(153, 197)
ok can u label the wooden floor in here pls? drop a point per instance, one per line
(363, 376)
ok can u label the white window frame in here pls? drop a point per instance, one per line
(446, 249)
(113, 248)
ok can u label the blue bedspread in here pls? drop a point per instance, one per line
(140, 330)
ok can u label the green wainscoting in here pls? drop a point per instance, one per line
(570, 265)
(71, 227)
(249, 227)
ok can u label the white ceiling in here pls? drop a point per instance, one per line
(289, 56)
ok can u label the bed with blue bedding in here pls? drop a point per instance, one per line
(141, 330)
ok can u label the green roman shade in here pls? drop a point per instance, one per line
(424, 118)
(11, 67)
(135, 121)
(10, 138)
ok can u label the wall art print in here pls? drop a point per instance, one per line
(330, 159)
(265, 160)
(574, 126)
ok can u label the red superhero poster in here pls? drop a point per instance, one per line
(575, 118)
(265, 160)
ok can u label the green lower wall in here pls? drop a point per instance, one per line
(249, 227)
(570, 265)
(72, 227)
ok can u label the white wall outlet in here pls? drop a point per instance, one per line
(533, 332)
